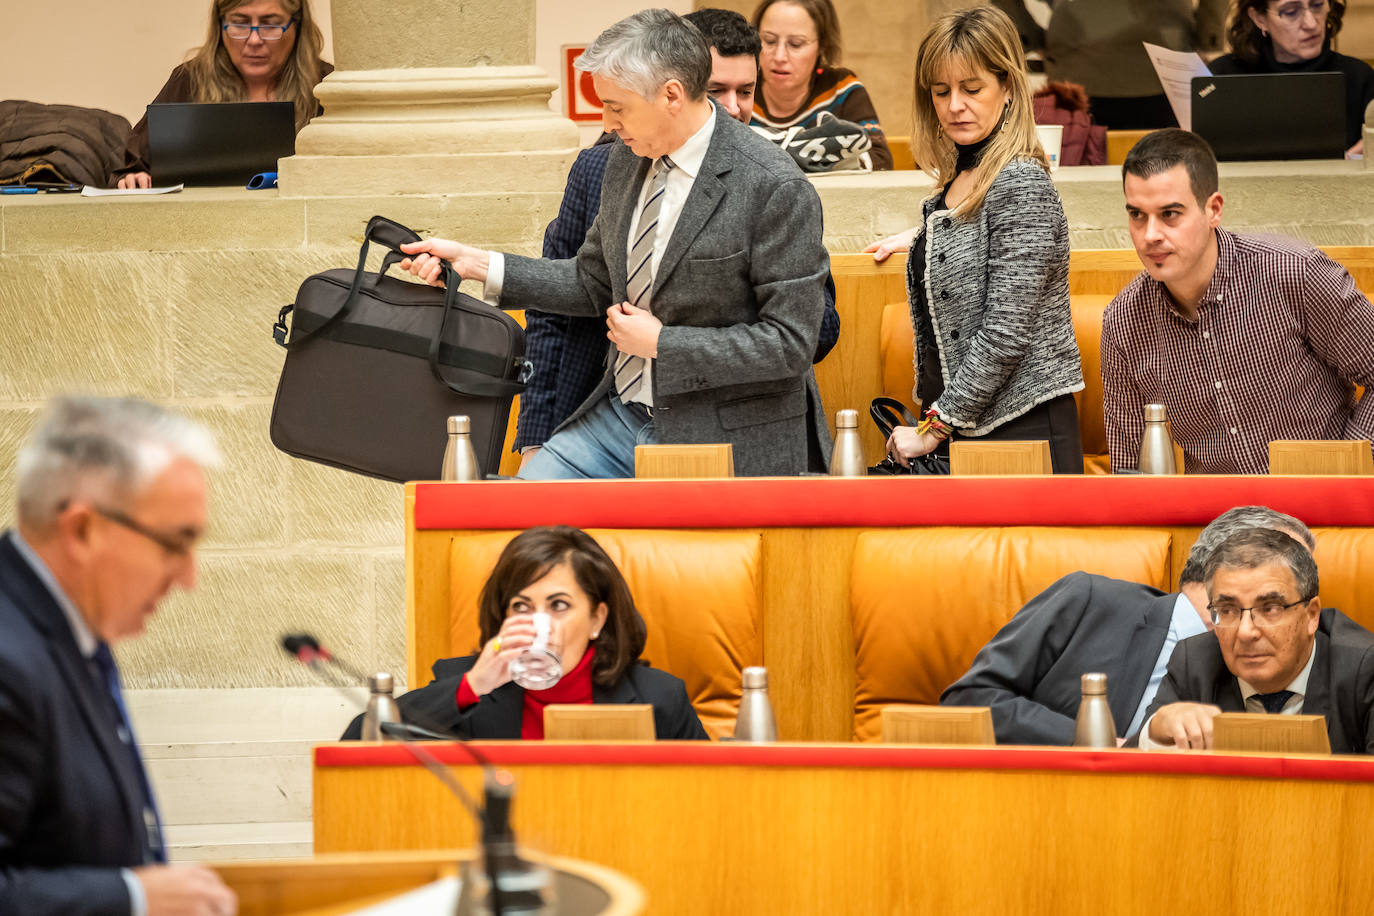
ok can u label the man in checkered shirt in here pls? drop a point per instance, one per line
(1245, 339)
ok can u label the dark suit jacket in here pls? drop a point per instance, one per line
(1029, 674)
(497, 716)
(1340, 686)
(70, 796)
(739, 291)
(569, 354)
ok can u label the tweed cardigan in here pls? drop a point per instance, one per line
(997, 283)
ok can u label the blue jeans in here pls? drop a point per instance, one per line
(600, 443)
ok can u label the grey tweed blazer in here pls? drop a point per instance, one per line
(740, 292)
(998, 288)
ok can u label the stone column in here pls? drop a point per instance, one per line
(432, 96)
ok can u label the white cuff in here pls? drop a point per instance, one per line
(138, 900)
(1146, 744)
(496, 277)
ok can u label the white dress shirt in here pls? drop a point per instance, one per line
(687, 160)
(1184, 623)
(1252, 704)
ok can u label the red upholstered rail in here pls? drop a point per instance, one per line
(820, 502)
(688, 753)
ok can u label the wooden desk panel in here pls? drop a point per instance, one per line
(873, 829)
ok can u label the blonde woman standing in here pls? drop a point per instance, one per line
(256, 51)
(987, 276)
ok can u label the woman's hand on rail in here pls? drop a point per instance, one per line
(893, 244)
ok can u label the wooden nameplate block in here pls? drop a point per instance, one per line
(1244, 731)
(938, 725)
(968, 458)
(599, 722)
(1344, 457)
(683, 462)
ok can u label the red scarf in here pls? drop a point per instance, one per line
(575, 687)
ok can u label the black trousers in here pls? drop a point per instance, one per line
(1055, 421)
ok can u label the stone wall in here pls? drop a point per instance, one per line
(173, 299)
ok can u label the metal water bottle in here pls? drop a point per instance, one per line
(755, 720)
(847, 458)
(460, 461)
(1095, 725)
(1156, 448)
(381, 707)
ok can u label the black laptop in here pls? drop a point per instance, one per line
(1271, 115)
(218, 143)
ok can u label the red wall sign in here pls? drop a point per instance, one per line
(580, 101)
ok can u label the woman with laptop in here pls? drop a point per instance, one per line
(256, 51)
(1294, 36)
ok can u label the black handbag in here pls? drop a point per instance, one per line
(375, 365)
(888, 414)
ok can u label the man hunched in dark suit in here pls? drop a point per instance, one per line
(1029, 673)
(1274, 650)
(111, 503)
(705, 258)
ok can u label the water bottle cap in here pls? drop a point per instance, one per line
(755, 676)
(381, 682)
(1094, 684)
(459, 424)
(1156, 413)
(846, 419)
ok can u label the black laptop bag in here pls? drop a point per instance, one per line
(375, 365)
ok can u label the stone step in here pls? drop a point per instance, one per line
(225, 842)
(231, 768)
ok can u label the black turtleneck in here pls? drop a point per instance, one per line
(1359, 78)
(968, 157)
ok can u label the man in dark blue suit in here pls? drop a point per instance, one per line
(111, 504)
(569, 354)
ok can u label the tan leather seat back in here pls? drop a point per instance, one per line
(1343, 569)
(924, 601)
(700, 593)
(1087, 329)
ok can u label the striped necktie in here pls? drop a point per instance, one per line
(629, 370)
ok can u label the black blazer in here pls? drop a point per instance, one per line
(1029, 673)
(70, 794)
(497, 716)
(1340, 687)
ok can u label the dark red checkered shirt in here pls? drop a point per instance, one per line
(1281, 337)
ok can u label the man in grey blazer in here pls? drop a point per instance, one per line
(1029, 673)
(1274, 650)
(705, 258)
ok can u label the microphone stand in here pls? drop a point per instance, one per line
(493, 818)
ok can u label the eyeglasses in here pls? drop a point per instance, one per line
(794, 44)
(240, 31)
(1226, 616)
(178, 545)
(1293, 12)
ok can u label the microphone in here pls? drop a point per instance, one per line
(493, 818)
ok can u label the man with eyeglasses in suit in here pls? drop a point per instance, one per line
(1273, 650)
(111, 506)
